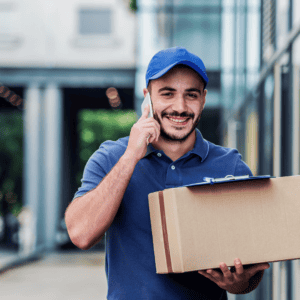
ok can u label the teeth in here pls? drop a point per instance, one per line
(178, 121)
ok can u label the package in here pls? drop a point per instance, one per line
(198, 226)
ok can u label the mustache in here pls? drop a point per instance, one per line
(175, 114)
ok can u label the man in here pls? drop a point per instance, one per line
(161, 152)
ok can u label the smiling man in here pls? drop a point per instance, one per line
(178, 99)
(163, 151)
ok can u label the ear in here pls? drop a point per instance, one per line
(145, 91)
(204, 98)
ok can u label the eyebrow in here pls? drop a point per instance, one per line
(194, 90)
(167, 88)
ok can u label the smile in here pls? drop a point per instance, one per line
(181, 121)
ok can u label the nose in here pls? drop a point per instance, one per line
(179, 105)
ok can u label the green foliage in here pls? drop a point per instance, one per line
(133, 5)
(96, 127)
(11, 160)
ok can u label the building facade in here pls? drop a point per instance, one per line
(195, 25)
(267, 118)
(218, 32)
(251, 52)
(62, 56)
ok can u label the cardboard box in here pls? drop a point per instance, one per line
(196, 228)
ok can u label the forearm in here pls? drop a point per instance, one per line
(249, 286)
(88, 217)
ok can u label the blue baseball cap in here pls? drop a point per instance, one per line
(164, 60)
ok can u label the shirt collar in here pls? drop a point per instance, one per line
(201, 147)
(150, 149)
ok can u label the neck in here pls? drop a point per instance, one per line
(175, 150)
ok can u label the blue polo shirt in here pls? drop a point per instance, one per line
(129, 262)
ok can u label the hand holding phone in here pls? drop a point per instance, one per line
(146, 101)
(146, 130)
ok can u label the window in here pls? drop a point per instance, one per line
(200, 34)
(7, 18)
(95, 22)
(9, 25)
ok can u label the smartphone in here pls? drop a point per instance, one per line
(146, 101)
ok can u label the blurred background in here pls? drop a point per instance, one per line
(80, 68)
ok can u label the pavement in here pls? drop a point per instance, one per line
(74, 275)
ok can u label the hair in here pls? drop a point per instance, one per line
(180, 66)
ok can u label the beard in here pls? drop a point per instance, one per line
(173, 137)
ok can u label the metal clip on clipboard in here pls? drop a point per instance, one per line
(226, 178)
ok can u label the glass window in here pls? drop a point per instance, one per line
(200, 34)
(95, 21)
(197, 2)
(282, 22)
(267, 127)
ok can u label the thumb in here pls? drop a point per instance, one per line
(264, 266)
(260, 267)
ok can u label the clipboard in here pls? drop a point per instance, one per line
(228, 178)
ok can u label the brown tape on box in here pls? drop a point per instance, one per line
(165, 231)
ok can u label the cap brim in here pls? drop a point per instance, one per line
(188, 63)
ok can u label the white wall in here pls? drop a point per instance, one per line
(36, 33)
(296, 22)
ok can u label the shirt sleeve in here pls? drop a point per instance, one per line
(242, 168)
(94, 171)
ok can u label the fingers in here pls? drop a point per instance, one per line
(208, 274)
(225, 273)
(151, 120)
(228, 280)
(225, 270)
(145, 112)
(152, 135)
(145, 117)
(157, 130)
(252, 270)
(212, 274)
(152, 123)
(144, 131)
(238, 266)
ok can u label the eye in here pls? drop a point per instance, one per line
(193, 95)
(167, 94)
